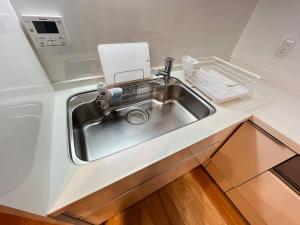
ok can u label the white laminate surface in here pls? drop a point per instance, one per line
(273, 107)
(26, 108)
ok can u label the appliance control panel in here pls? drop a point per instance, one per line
(46, 31)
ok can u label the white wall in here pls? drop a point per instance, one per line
(172, 27)
(26, 107)
(272, 22)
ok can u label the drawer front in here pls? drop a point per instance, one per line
(248, 153)
(268, 200)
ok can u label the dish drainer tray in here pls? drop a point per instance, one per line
(219, 80)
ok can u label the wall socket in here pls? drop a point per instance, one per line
(285, 47)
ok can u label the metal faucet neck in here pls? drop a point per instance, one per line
(166, 73)
(168, 64)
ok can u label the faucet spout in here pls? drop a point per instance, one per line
(166, 73)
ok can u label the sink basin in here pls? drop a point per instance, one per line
(146, 115)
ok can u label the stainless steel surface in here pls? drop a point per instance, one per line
(137, 116)
(93, 135)
(166, 73)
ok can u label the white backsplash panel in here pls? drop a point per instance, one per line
(171, 27)
(272, 23)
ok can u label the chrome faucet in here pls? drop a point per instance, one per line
(166, 73)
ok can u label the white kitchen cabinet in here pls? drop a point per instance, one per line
(267, 200)
(247, 153)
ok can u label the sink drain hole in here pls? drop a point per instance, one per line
(137, 116)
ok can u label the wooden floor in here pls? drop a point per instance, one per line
(193, 199)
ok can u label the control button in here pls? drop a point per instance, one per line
(41, 42)
(51, 41)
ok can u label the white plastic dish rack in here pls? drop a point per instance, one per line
(219, 80)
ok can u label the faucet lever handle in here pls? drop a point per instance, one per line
(160, 72)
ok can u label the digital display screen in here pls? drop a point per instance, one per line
(45, 27)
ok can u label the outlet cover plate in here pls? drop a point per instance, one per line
(285, 48)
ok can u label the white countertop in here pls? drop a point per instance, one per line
(273, 108)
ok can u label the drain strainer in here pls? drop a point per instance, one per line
(137, 116)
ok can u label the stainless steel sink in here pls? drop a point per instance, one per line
(93, 135)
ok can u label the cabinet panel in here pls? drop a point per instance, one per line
(11, 216)
(248, 153)
(244, 207)
(99, 215)
(220, 179)
(107, 201)
(270, 198)
(104, 212)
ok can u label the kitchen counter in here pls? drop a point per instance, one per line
(271, 107)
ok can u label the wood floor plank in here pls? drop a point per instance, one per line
(193, 199)
(170, 208)
(157, 210)
(229, 212)
(138, 214)
(194, 207)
